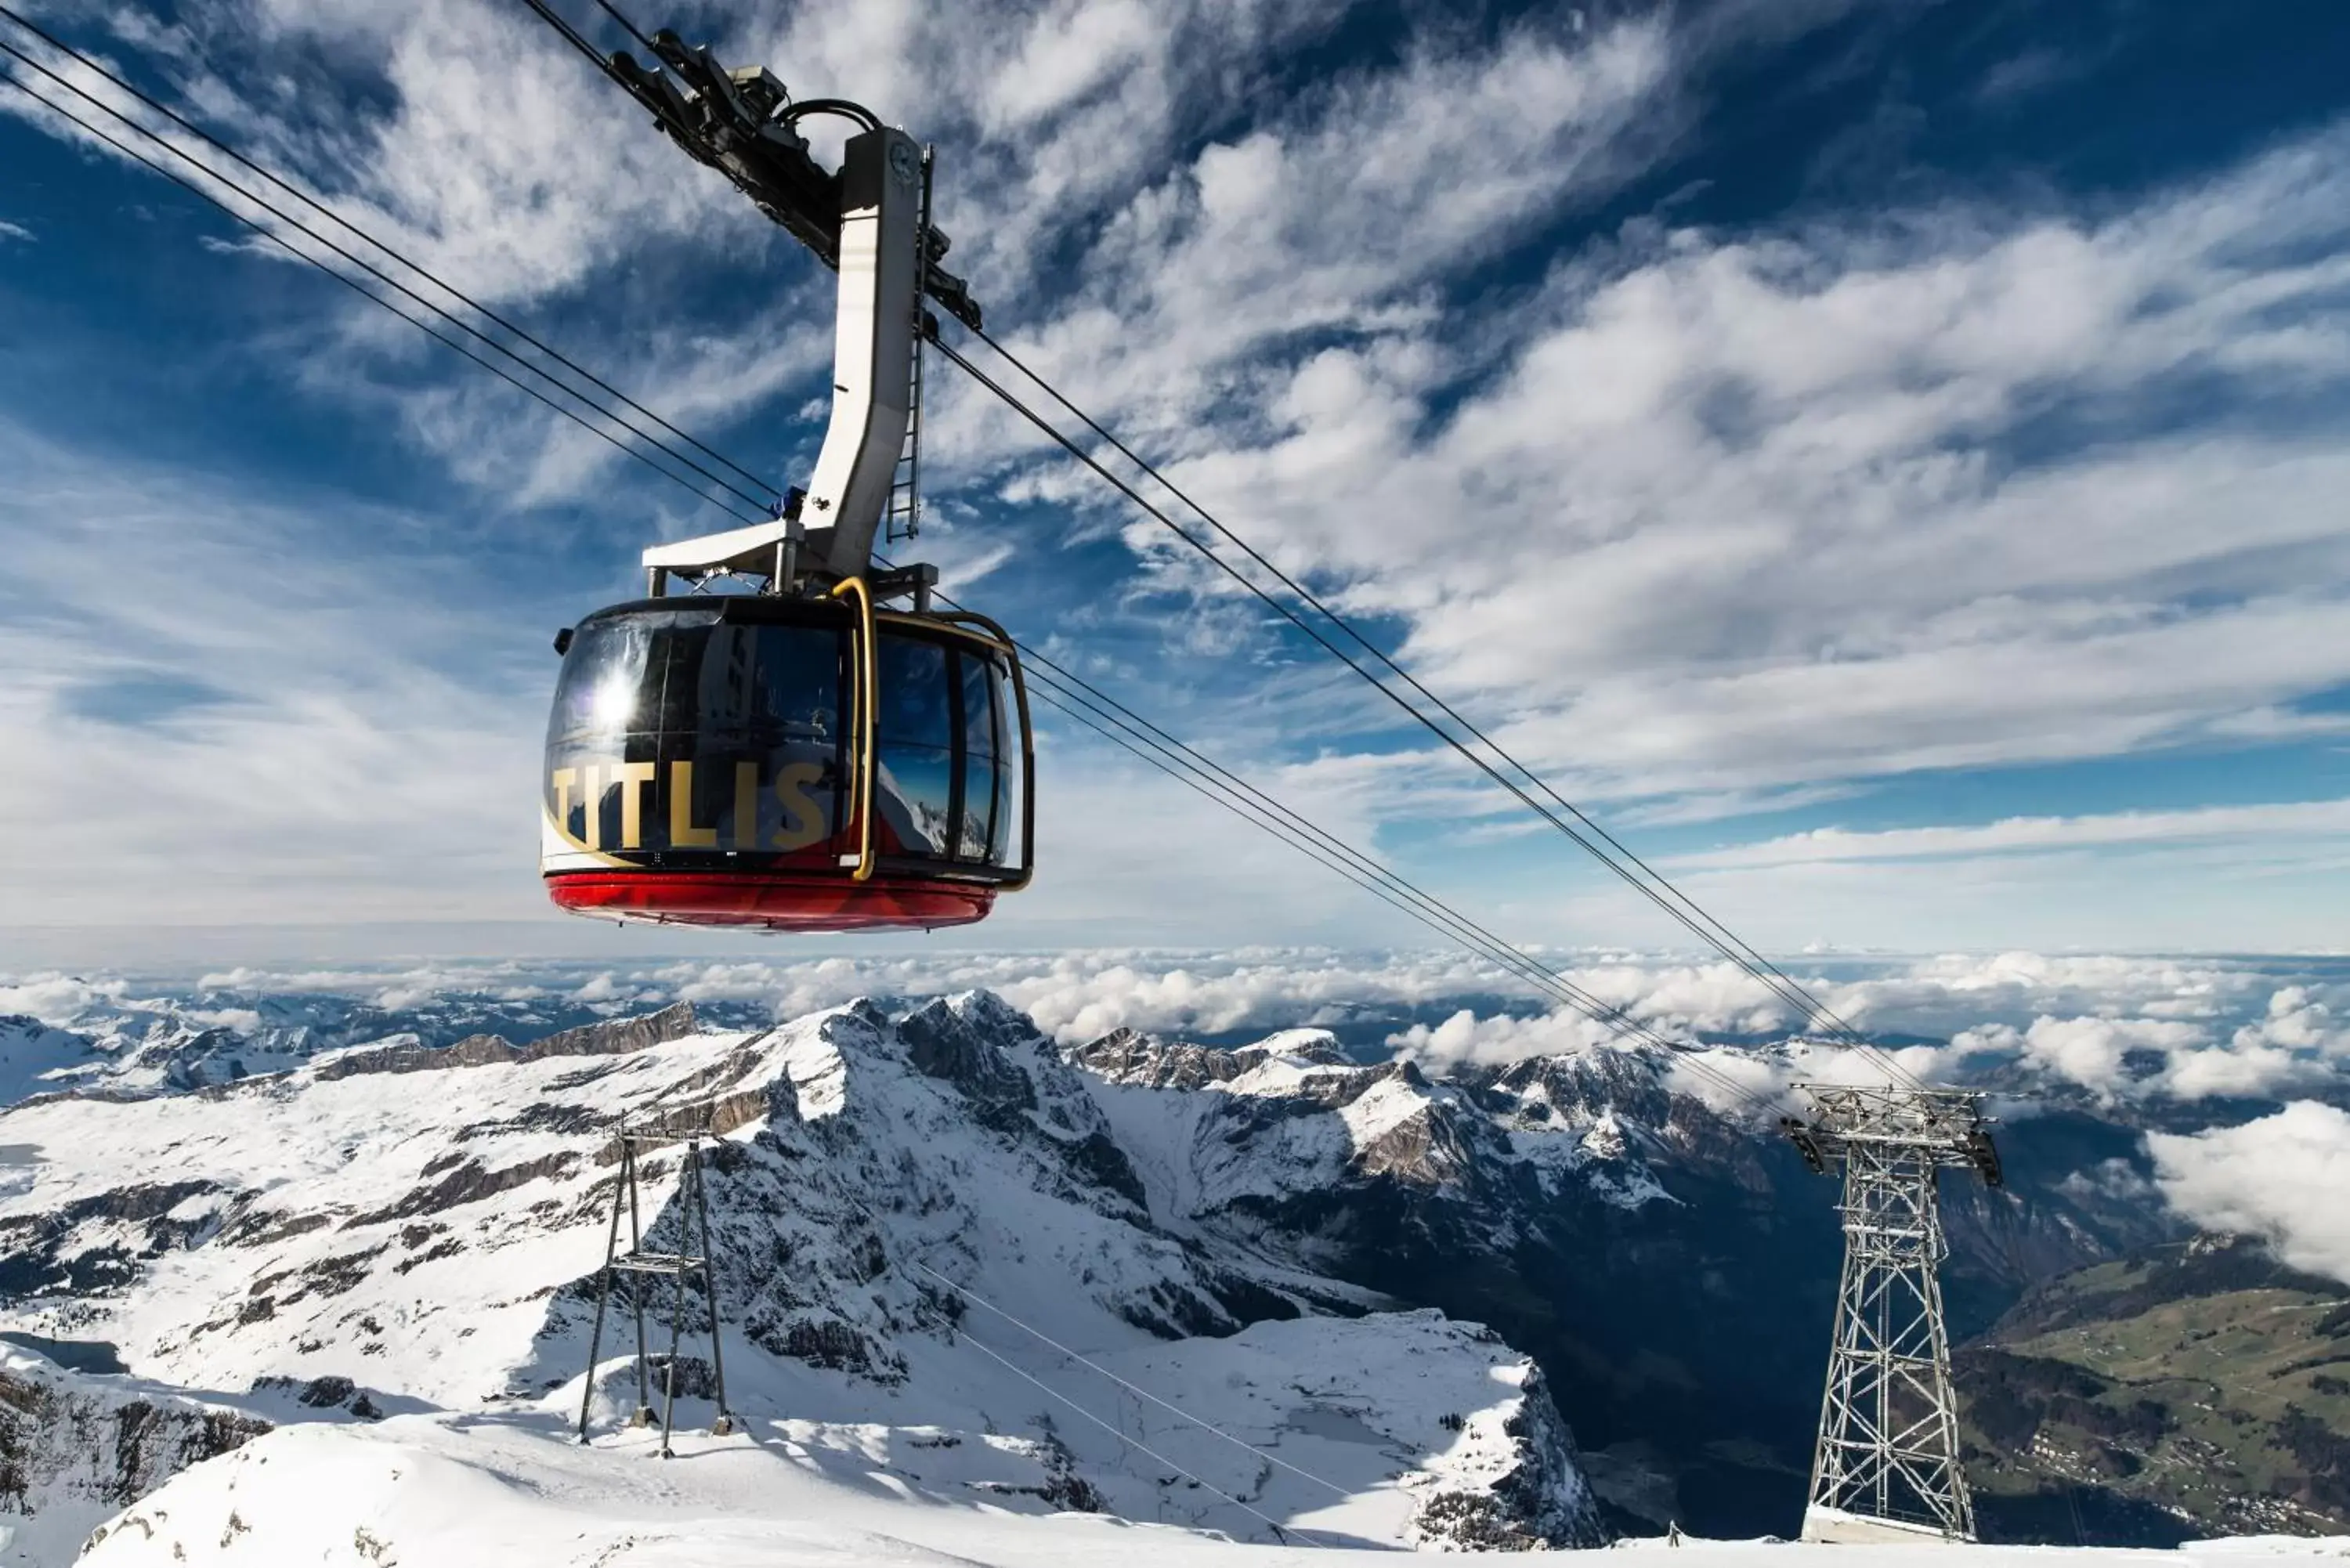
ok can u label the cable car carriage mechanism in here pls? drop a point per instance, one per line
(829, 752)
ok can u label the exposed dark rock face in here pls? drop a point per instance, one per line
(469, 1182)
(80, 1448)
(613, 1038)
(1671, 1269)
(45, 1255)
(1540, 1504)
(1128, 1056)
(330, 1393)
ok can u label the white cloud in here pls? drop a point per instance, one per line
(2121, 1027)
(2183, 1030)
(2297, 1019)
(58, 1000)
(234, 721)
(1498, 1037)
(9, 231)
(1751, 507)
(2280, 1177)
(1715, 520)
(2296, 821)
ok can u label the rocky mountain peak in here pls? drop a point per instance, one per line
(423, 1223)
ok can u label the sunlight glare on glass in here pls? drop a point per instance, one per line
(615, 701)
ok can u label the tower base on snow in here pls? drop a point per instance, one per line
(1835, 1527)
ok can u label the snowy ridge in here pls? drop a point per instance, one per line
(421, 1223)
(102, 1039)
(1223, 1135)
(75, 1449)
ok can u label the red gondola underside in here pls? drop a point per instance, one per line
(775, 901)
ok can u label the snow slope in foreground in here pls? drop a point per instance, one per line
(509, 1490)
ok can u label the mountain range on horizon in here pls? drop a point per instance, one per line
(401, 1208)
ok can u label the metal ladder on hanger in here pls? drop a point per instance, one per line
(903, 520)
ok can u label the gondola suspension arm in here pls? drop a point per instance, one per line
(865, 220)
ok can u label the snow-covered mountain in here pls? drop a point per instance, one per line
(407, 1201)
(127, 1040)
(424, 1489)
(75, 1451)
(1669, 1265)
(921, 1214)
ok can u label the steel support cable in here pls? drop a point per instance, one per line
(578, 40)
(1065, 702)
(1280, 1531)
(198, 131)
(1509, 958)
(62, 112)
(1192, 766)
(1305, 593)
(1761, 972)
(1691, 916)
(763, 507)
(1328, 850)
(297, 226)
(615, 13)
(1133, 1388)
(1255, 806)
(1545, 980)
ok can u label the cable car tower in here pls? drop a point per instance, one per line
(1887, 1469)
(810, 755)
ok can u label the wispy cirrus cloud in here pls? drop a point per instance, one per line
(237, 720)
(2298, 822)
(1702, 521)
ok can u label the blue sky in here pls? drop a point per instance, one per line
(1884, 459)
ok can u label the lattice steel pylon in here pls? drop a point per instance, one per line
(693, 1128)
(1888, 1466)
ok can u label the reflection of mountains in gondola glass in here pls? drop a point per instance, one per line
(718, 742)
(943, 786)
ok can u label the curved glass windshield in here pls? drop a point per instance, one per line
(680, 736)
(943, 761)
(680, 731)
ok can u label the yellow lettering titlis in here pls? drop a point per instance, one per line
(682, 832)
(747, 805)
(591, 801)
(632, 777)
(562, 781)
(804, 822)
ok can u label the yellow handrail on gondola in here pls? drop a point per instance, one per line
(869, 706)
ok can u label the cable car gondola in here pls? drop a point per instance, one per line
(802, 765)
(806, 756)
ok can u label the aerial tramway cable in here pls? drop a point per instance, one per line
(297, 226)
(1598, 843)
(1154, 746)
(1182, 762)
(1442, 919)
(1656, 886)
(1755, 967)
(198, 131)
